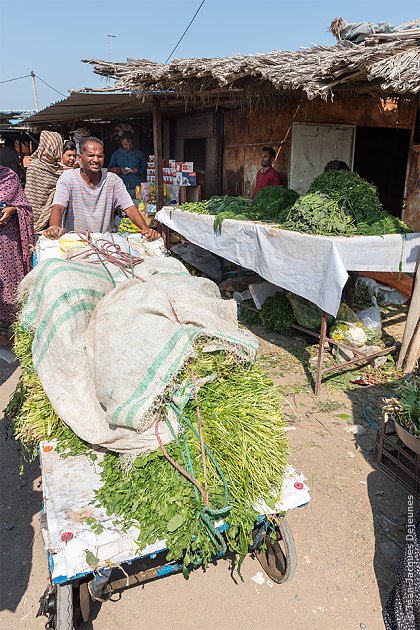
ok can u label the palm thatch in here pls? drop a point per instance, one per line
(387, 63)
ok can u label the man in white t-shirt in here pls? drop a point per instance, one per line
(86, 199)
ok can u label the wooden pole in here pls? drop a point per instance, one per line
(322, 337)
(157, 144)
(35, 91)
(413, 317)
(413, 354)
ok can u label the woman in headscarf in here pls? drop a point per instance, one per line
(42, 174)
(16, 238)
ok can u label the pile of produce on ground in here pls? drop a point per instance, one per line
(276, 314)
(281, 311)
(338, 203)
(239, 410)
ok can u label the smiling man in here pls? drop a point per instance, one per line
(86, 199)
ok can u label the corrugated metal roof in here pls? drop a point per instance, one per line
(88, 106)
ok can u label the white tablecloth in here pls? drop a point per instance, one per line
(314, 267)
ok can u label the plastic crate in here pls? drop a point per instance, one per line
(395, 459)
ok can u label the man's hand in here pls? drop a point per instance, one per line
(54, 232)
(6, 214)
(151, 235)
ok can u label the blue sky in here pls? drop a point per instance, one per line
(50, 37)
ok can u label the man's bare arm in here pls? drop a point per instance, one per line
(55, 230)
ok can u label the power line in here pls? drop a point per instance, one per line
(17, 78)
(183, 34)
(50, 86)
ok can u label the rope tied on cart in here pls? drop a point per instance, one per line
(108, 250)
(208, 515)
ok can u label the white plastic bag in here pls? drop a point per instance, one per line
(348, 327)
(372, 322)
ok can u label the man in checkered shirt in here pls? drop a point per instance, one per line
(128, 163)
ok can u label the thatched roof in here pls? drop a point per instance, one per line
(387, 63)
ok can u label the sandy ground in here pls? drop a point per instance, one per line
(348, 538)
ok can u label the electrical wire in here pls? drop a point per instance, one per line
(16, 79)
(184, 33)
(50, 86)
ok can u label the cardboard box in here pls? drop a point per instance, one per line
(187, 167)
(191, 178)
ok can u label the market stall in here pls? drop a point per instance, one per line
(313, 267)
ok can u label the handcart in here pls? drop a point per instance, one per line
(66, 523)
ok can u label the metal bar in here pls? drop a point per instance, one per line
(100, 581)
(144, 576)
(322, 337)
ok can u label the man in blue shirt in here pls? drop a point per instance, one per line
(128, 163)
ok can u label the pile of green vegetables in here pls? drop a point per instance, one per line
(360, 202)
(276, 314)
(315, 213)
(245, 457)
(269, 205)
(34, 418)
(338, 203)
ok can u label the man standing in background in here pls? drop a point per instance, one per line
(129, 163)
(267, 175)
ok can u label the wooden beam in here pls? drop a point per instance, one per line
(413, 354)
(157, 144)
(409, 344)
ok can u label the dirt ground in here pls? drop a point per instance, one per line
(348, 538)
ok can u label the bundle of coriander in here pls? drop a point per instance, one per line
(276, 314)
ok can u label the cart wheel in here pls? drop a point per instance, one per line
(64, 607)
(278, 559)
(84, 600)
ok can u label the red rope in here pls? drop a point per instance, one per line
(110, 251)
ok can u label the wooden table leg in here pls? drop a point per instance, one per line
(322, 337)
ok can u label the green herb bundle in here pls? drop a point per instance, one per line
(359, 200)
(243, 430)
(315, 213)
(276, 314)
(34, 418)
(272, 203)
(269, 205)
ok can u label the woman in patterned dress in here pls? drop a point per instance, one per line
(16, 238)
(42, 174)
